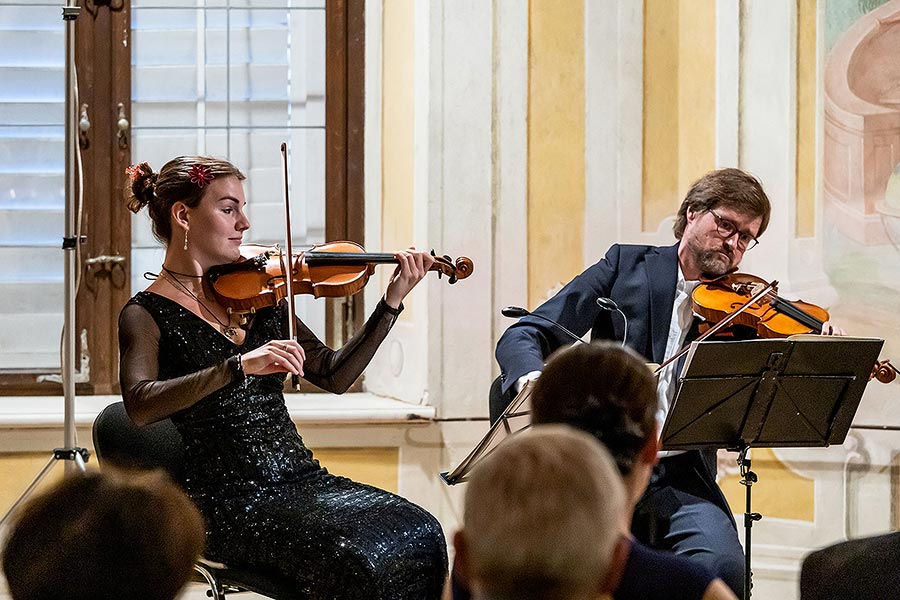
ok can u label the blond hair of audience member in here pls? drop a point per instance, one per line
(543, 519)
(104, 536)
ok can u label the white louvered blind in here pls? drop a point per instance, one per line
(234, 78)
(32, 184)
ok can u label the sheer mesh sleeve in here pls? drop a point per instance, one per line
(148, 399)
(336, 370)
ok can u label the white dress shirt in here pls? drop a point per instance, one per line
(682, 316)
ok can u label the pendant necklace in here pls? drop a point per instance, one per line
(227, 328)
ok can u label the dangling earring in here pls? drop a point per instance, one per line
(185, 239)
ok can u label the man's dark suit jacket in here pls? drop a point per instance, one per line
(640, 279)
(863, 569)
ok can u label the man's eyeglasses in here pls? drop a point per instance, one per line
(726, 228)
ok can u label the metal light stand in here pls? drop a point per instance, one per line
(75, 456)
(748, 478)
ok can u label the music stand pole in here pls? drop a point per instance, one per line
(748, 478)
(75, 457)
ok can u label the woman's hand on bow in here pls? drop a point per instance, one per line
(277, 356)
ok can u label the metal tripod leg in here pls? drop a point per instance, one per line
(78, 455)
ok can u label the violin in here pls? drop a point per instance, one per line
(772, 316)
(331, 270)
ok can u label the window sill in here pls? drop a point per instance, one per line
(47, 412)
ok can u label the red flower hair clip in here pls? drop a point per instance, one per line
(132, 171)
(200, 175)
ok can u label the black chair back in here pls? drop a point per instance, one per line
(497, 400)
(118, 441)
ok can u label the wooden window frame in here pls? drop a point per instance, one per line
(344, 140)
(103, 59)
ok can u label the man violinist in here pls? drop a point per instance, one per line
(722, 216)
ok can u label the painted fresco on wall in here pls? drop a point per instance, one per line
(862, 123)
(861, 176)
(861, 227)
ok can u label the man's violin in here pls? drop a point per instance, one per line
(331, 270)
(769, 314)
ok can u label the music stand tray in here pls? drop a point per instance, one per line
(801, 391)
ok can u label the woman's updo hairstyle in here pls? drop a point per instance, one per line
(182, 179)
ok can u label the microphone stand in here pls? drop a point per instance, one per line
(515, 312)
(609, 305)
(75, 456)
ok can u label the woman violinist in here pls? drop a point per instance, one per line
(268, 503)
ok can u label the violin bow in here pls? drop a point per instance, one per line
(723, 322)
(288, 269)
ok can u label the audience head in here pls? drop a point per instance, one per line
(605, 390)
(543, 518)
(104, 536)
(182, 179)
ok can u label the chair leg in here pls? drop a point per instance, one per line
(215, 592)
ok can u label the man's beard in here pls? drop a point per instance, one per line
(712, 264)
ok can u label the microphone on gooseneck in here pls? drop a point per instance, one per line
(515, 312)
(608, 304)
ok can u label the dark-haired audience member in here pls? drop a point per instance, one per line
(543, 519)
(862, 569)
(104, 536)
(610, 393)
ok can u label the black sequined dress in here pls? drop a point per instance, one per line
(268, 503)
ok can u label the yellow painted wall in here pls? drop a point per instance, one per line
(696, 91)
(781, 493)
(555, 144)
(375, 466)
(807, 81)
(679, 102)
(660, 136)
(397, 141)
(17, 471)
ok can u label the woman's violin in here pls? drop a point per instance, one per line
(769, 314)
(331, 270)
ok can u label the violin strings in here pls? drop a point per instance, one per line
(788, 308)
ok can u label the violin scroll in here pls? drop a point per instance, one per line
(884, 371)
(444, 265)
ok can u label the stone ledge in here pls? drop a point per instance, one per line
(46, 412)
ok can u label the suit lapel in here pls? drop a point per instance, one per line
(662, 276)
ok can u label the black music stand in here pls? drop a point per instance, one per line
(515, 418)
(801, 391)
